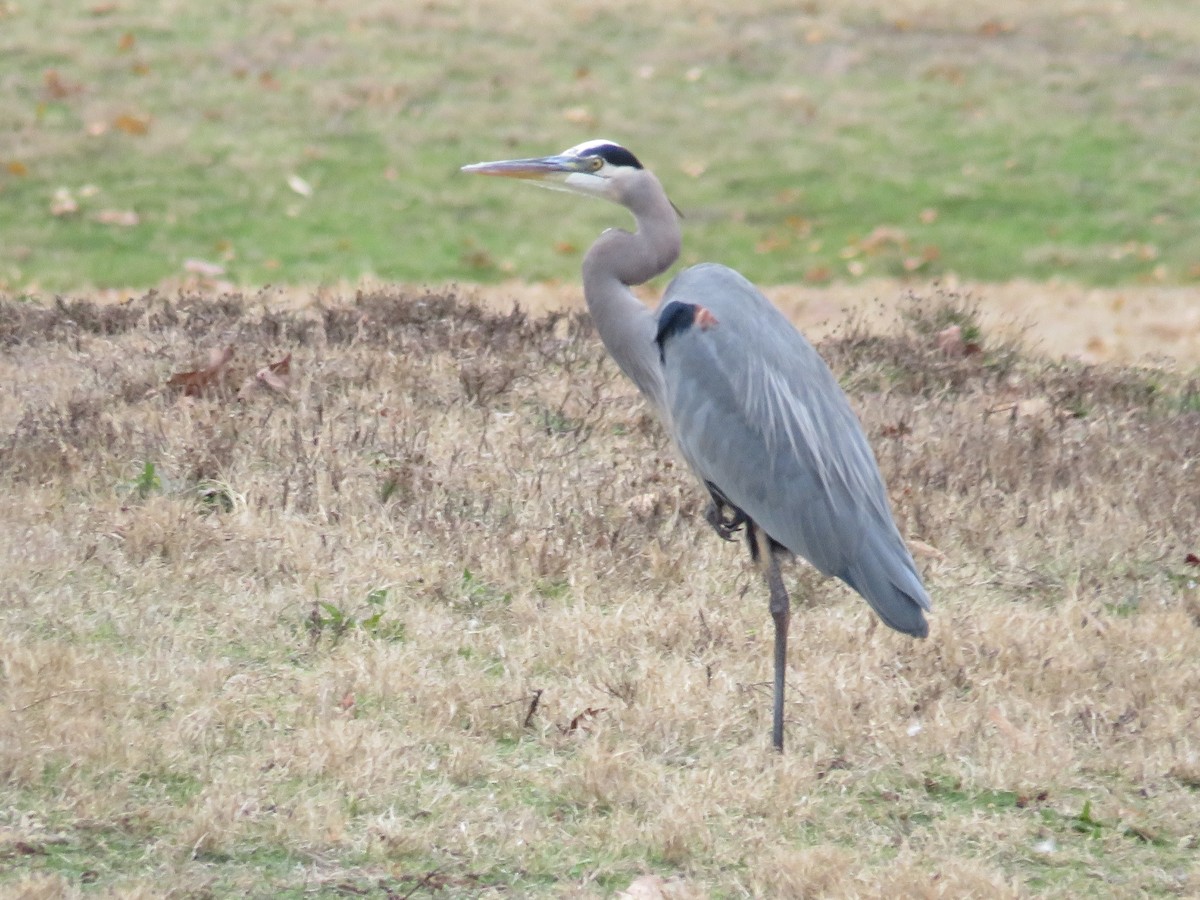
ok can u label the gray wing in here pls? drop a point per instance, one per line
(756, 412)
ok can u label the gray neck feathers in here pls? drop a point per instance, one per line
(619, 259)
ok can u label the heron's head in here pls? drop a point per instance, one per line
(593, 168)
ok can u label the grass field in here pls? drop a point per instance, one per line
(264, 642)
(411, 597)
(308, 142)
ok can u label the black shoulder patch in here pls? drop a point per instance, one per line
(675, 318)
(614, 155)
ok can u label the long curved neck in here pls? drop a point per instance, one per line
(619, 259)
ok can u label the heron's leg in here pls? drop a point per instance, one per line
(781, 613)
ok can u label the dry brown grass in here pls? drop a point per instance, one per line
(304, 661)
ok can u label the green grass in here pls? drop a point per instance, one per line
(1058, 145)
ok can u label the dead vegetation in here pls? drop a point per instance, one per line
(442, 617)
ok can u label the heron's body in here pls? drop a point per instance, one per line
(776, 435)
(750, 404)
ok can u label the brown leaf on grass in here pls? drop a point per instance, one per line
(63, 203)
(995, 28)
(579, 115)
(581, 721)
(1192, 559)
(951, 342)
(123, 218)
(17, 168)
(132, 124)
(275, 377)
(920, 548)
(127, 42)
(57, 88)
(770, 243)
(197, 381)
(882, 237)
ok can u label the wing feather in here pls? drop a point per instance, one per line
(755, 410)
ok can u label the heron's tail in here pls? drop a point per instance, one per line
(884, 573)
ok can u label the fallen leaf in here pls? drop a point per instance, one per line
(195, 382)
(1192, 559)
(56, 87)
(883, 236)
(62, 203)
(17, 168)
(579, 115)
(770, 244)
(132, 124)
(580, 722)
(123, 218)
(950, 341)
(127, 42)
(102, 9)
(566, 248)
(920, 548)
(267, 81)
(299, 185)
(995, 28)
(277, 376)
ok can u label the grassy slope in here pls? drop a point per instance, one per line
(297, 658)
(1045, 144)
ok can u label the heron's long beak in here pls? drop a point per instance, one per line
(543, 169)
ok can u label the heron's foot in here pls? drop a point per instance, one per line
(725, 521)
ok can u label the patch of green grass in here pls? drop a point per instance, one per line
(989, 154)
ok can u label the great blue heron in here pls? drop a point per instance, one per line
(750, 404)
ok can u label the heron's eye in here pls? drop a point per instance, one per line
(596, 164)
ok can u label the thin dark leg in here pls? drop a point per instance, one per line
(781, 613)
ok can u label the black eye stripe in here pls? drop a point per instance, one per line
(614, 155)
